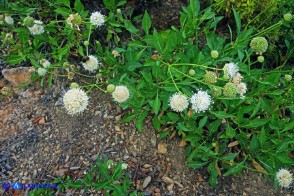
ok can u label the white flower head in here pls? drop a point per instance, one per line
(284, 178)
(230, 69)
(37, 29)
(97, 19)
(45, 63)
(75, 101)
(9, 20)
(41, 71)
(200, 101)
(91, 64)
(237, 78)
(121, 94)
(242, 89)
(124, 166)
(178, 102)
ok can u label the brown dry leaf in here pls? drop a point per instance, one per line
(42, 120)
(154, 57)
(172, 135)
(234, 143)
(167, 180)
(60, 173)
(257, 166)
(37, 119)
(218, 169)
(162, 148)
(190, 112)
(183, 143)
(224, 120)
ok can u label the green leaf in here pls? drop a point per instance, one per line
(284, 158)
(195, 7)
(158, 41)
(163, 135)
(255, 123)
(254, 144)
(221, 115)
(130, 27)
(128, 117)
(202, 122)
(117, 173)
(196, 164)
(14, 59)
(147, 76)
(230, 156)
(140, 119)
(156, 105)
(75, 185)
(235, 169)
(79, 7)
(289, 126)
(103, 170)
(212, 169)
(64, 2)
(230, 132)
(156, 122)
(238, 21)
(101, 184)
(262, 137)
(146, 22)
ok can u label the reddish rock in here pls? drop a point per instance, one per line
(18, 75)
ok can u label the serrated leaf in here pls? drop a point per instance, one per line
(146, 22)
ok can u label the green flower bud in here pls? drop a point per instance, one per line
(99, 76)
(259, 44)
(210, 77)
(110, 88)
(260, 59)
(1, 17)
(74, 85)
(86, 43)
(230, 90)
(288, 77)
(191, 72)
(65, 65)
(118, 11)
(288, 17)
(214, 54)
(216, 92)
(29, 21)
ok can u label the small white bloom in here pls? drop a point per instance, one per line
(200, 101)
(91, 64)
(230, 69)
(45, 63)
(120, 94)
(178, 102)
(9, 20)
(97, 19)
(124, 166)
(37, 29)
(237, 78)
(242, 89)
(41, 71)
(284, 178)
(75, 101)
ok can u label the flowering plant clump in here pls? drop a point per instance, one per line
(285, 178)
(75, 101)
(227, 105)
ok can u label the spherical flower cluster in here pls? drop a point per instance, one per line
(288, 17)
(37, 28)
(9, 20)
(97, 19)
(230, 90)
(260, 59)
(259, 45)
(178, 102)
(230, 69)
(110, 88)
(75, 101)
(191, 72)
(214, 54)
(121, 94)
(288, 77)
(210, 77)
(241, 89)
(91, 64)
(29, 21)
(200, 101)
(74, 20)
(216, 91)
(284, 178)
(74, 85)
(41, 71)
(45, 63)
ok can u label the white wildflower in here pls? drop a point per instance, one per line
(41, 71)
(45, 63)
(242, 89)
(97, 19)
(124, 166)
(91, 64)
(237, 78)
(200, 101)
(230, 69)
(37, 28)
(178, 102)
(75, 101)
(9, 20)
(284, 178)
(120, 94)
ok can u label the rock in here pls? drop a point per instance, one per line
(18, 75)
(147, 180)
